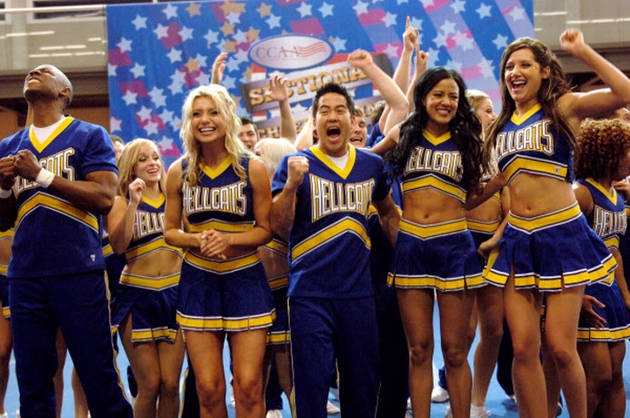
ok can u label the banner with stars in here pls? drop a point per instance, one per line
(159, 51)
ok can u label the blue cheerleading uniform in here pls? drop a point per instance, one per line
(57, 280)
(553, 250)
(608, 220)
(222, 295)
(151, 301)
(4, 282)
(279, 332)
(331, 304)
(439, 256)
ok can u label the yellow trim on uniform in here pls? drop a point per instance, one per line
(610, 194)
(40, 146)
(221, 267)
(612, 242)
(150, 282)
(222, 226)
(58, 205)
(278, 282)
(436, 183)
(603, 335)
(215, 172)
(433, 230)
(543, 221)
(227, 324)
(345, 225)
(436, 140)
(4, 268)
(444, 285)
(108, 250)
(148, 247)
(476, 225)
(156, 203)
(533, 165)
(6, 312)
(9, 233)
(278, 246)
(153, 334)
(343, 173)
(280, 337)
(516, 119)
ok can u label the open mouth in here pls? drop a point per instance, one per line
(333, 131)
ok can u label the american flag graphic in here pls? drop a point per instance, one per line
(159, 51)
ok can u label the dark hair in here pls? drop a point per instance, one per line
(332, 88)
(550, 91)
(603, 143)
(247, 121)
(465, 128)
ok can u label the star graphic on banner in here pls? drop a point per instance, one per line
(194, 9)
(115, 124)
(211, 37)
(229, 82)
(174, 55)
(455, 65)
(124, 45)
(298, 108)
(273, 21)
(360, 8)
(151, 128)
(253, 34)
(448, 27)
(232, 7)
(157, 97)
(500, 41)
(144, 113)
(389, 19)
(391, 51)
(433, 57)
(486, 68)
(139, 22)
(202, 60)
(232, 64)
(416, 23)
(304, 10)
(483, 10)
(427, 3)
(170, 11)
(165, 144)
(264, 10)
(186, 33)
(229, 46)
(237, 101)
(138, 70)
(240, 37)
(227, 29)
(176, 122)
(338, 43)
(517, 13)
(192, 65)
(326, 9)
(233, 18)
(130, 97)
(203, 79)
(458, 6)
(464, 41)
(176, 86)
(441, 39)
(111, 70)
(178, 76)
(242, 56)
(247, 74)
(161, 31)
(167, 116)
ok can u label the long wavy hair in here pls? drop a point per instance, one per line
(550, 91)
(233, 145)
(465, 128)
(127, 161)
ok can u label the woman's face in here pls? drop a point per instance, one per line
(148, 166)
(441, 104)
(207, 123)
(485, 111)
(523, 77)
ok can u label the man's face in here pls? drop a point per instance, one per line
(333, 123)
(248, 136)
(46, 81)
(359, 132)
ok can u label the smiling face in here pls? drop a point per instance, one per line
(441, 105)
(333, 123)
(207, 123)
(248, 136)
(523, 77)
(485, 111)
(358, 138)
(148, 166)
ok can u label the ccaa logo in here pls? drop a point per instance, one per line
(290, 52)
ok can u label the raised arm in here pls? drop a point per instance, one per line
(279, 92)
(218, 68)
(121, 218)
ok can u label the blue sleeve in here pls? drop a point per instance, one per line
(98, 154)
(280, 176)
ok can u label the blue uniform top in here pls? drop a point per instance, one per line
(608, 218)
(435, 163)
(531, 144)
(328, 244)
(52, 235)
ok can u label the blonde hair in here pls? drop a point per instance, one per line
(475, 97)
(227, 109)
(127, 162)
(272, 150)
